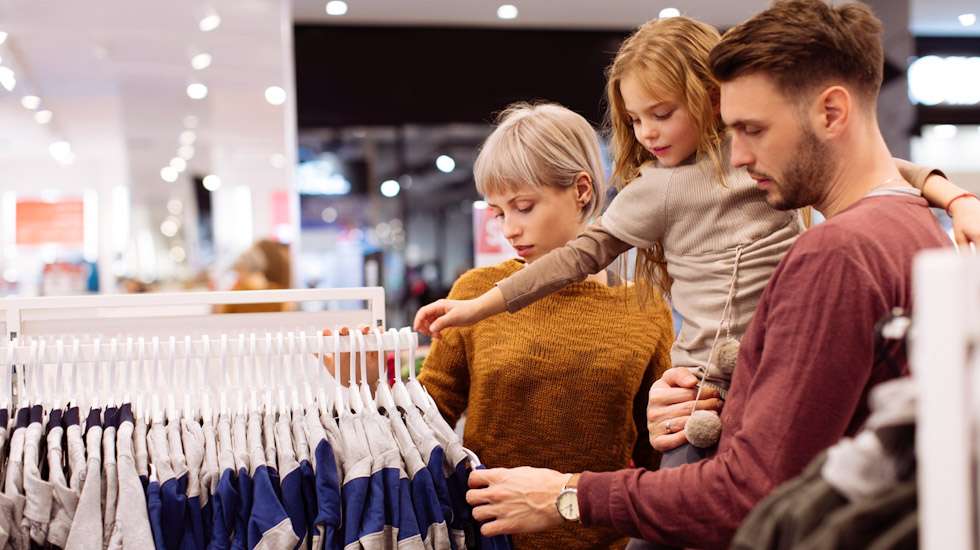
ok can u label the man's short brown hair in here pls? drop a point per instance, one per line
(802, 44)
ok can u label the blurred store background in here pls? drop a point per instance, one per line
(147, 146)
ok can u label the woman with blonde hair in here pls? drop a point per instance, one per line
(563, 383)
(706, 235)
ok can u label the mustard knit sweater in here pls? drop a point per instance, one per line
(562, 384)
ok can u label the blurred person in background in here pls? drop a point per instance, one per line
(264, 266)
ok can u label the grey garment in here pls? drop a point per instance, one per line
(159, 452)
(209, 470)
(761, 528)
(685, 454)
(859, 467)
(132, 525)
(226, 455)
(239, 442)
(140, 451)
(37, 509)
(65, 500)
(904, 535)
(893, 403)
(253, 438)
(176, 446)
(110, 483)
(858, 524)
(13, 491)
(357, 454)
(314, 432)
(300, 443)
(192, 436)
(437, 535)
(282, 535)
(86, 527)
(284, 447)
(76, 459)
(269, 439)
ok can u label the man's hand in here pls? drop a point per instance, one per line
(516, 500)
(443, 314)
(670, 405)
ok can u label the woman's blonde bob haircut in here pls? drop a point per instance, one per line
(541, 145)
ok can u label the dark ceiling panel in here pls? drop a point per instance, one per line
(399, 75)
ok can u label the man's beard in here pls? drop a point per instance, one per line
(808, 173)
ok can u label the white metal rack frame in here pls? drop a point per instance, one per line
(946, 365)
(183, 313)
(114, 329)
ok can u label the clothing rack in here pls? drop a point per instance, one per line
(946, 364)
(165, 327)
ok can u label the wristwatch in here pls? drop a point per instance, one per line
(567, 501)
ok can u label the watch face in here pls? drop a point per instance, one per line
(568, 505)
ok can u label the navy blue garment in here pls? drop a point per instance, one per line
(267, 512)
(389, 499)
(154, 507)
(225, 504)
(325, 528)
(357, 480)
(245, 492)
(310, 503)
(192, 438)
(435, 466)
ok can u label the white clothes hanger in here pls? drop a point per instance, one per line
(383, 393)
(343, 407)
(364, 387)
(356, 403)
(418, 394)
(402, 398)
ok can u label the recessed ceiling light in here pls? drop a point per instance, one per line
(185, 152)
(212, 182)
(336, 7)
(7, 78)
(3, 37)
(201, 61)
(390, 188)
(169, 174)
(43, 116)
(445, 163)
(210, 22)
(169, 227)
(61, 151)
(669, 12)
(275, 95)
(507, 11)
(188, 137)
(31, 102)
(175, 207)
(277, 160)
(178, 164)
(197, 91)
(968, 19)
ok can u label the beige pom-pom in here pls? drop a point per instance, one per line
(728, 356)
(703, 429)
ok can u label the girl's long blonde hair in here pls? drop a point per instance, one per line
(670, 58)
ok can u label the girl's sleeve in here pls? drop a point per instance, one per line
(635, 218)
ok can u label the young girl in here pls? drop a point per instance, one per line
(706, 235)
(563, 383)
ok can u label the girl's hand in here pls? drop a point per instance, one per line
(442, 314)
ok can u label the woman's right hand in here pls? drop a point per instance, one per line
(671, 401)
(442, 314)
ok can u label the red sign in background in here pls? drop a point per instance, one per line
(60, 222)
